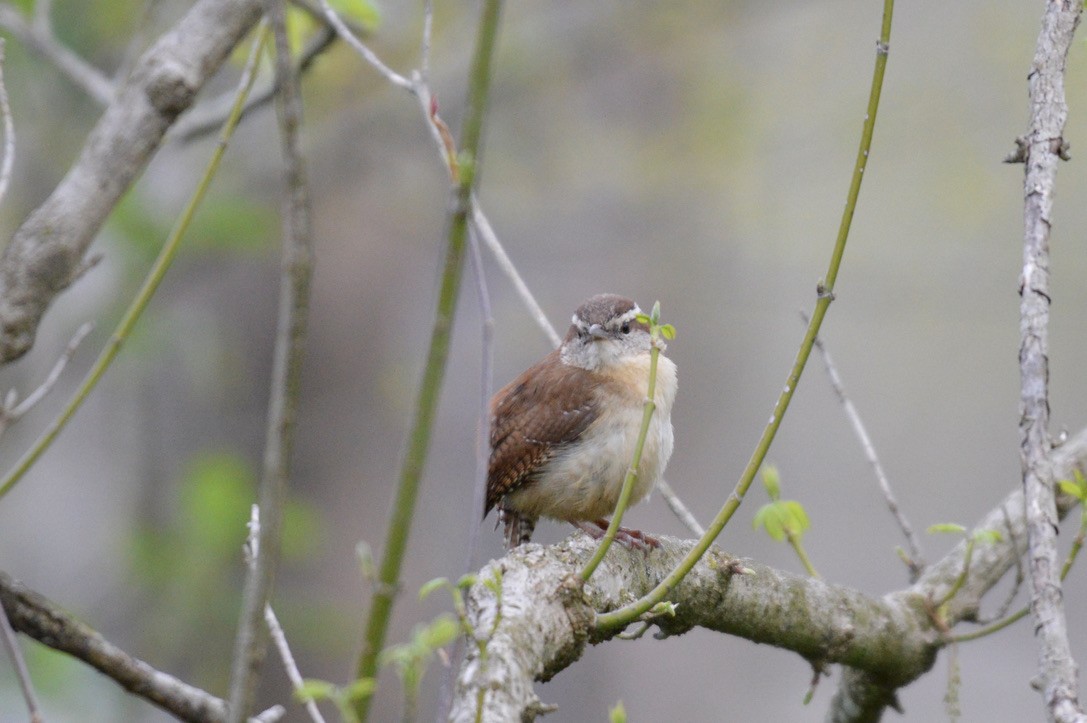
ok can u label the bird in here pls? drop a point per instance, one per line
(563, 433)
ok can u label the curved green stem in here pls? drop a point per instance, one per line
(632, 472)
(633, 611)
(396, 539)
(798, 547)
(150, 284)
(967, 558)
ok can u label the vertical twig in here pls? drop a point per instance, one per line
(430, 388)
(294, 292)
(1042, 149)
(9, 132)
(486, 382)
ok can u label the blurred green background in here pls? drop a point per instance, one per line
(696, 153)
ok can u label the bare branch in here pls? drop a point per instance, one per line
(361, 48)
(279, 638)
(38, 36)
(1043, 148)
(294, 293)
(9, 132)
(11, 414)
(539, 623)
(679, 509)
(7, 635)
(33, 615)
(916, 562)
(479, 220)
(48, 249)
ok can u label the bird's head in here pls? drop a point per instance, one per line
(603, 332)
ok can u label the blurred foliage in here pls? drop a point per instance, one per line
(232, 224)
(192, 562)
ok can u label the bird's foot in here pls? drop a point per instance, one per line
(628, 538)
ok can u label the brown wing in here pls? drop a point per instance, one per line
(532, 417)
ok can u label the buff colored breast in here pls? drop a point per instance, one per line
(586, 486)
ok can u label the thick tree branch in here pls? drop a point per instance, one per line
(1043, 147)
(46, 253)
(539, 623)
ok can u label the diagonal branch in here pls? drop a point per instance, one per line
(34, 615)
(47, 251)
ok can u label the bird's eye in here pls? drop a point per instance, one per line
(625, 328)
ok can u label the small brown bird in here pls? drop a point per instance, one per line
(563, 433)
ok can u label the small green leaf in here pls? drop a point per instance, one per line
(989, 536)
(441, 632)
(364, 12)
(668, 331)
(366, 560)
(314, 690)
(643, 319)
(663, 608)
(428, 588)
(1072, 489)
(360, 689)
(946, 528)
(769, 517)
(466, 580)
(794, 517)
(494, 583)
(771, 480)
(618, 714)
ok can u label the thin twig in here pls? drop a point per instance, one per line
(294, 294)
(428, 30)
(279, 638)
(38, 37)
(11, 644)
(491, 240)
(362, 49)
(679, 509)
(486, 382)
(275, 630)
(1006, 605)
(9, 415)
(9, 132)
(916, 560)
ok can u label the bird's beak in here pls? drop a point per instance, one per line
(597, 332)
